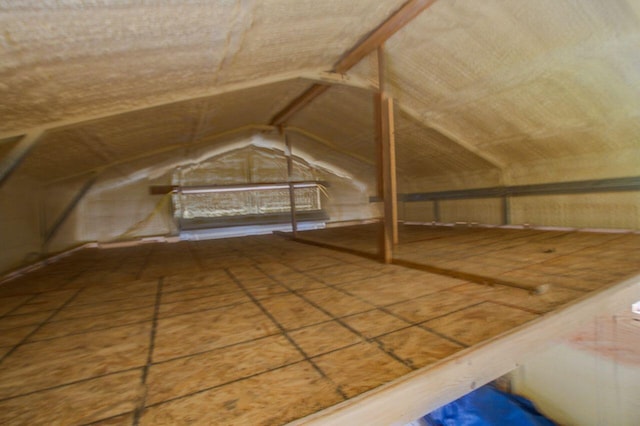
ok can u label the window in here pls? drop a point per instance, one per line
(252, 202)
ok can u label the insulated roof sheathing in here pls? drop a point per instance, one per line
(128, 136)
(495, 87)
(343, 115)
(6, 145)
(523, 81)
(64, 59)
(427, 151)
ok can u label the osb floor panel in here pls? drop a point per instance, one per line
(254, 330)
(566, 260)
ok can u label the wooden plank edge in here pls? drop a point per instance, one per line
(480, 279)
(54, 257)
(329, 246)
(20, 271)
(422, 391)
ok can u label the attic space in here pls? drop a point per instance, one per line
(295, 212)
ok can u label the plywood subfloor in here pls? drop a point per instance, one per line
(254, 330)
(564, 260)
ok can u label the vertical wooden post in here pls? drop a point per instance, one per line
(288, 152)
(378, 136)
(436, 211)
(506, 210)
(386, 139)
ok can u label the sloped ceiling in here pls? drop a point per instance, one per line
(6, 145)
(98, 143)
(63, 59)
(344, 115)
(480, 87)
(524, 81)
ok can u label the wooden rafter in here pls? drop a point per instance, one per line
(298, 103)
(371, 42)
(377, 37)
(288, 152)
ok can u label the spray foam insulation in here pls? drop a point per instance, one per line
(481, 88)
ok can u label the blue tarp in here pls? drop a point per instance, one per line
(487, 406)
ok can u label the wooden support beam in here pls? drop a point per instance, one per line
(68, 210)
(334, 247)
(506, 210)
(371, 42)
(292, 195)
(298, 103)
(436, 210)
(475, 278)
(377, 37)
(386, 137)
(377, 113)
(389, 170)
(337, 79)
(18, 153)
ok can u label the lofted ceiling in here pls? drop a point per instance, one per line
(481, 88)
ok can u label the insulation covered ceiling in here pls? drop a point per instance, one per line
(485, 87)
(173, 127)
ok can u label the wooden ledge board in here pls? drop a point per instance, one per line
(420, 392)
(480, 279)
(327, 245)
